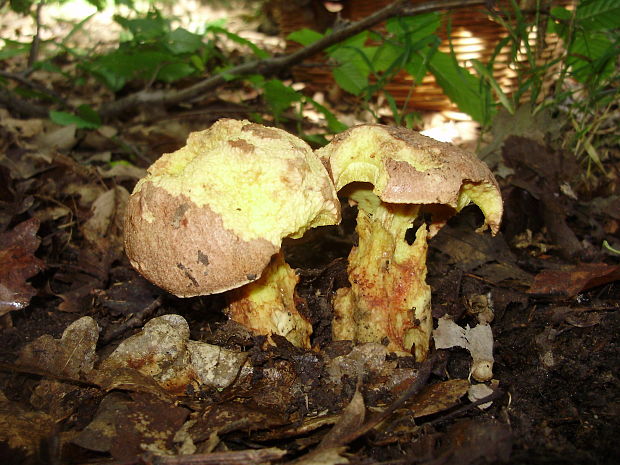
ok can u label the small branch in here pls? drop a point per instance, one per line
(36, 40)
(420, 382)
(17, 77)
(240, 457)
(21, 107)
(274, 65)
(136, 320)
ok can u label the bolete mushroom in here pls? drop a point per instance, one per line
(211, 217)
(397, 178)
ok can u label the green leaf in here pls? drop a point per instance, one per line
(382, 58)
(487, 74)
(464, 89)
(87, 118)
(333, 124)
(259, 52)
(13, 48)
(279, 96)
(174, 71)
(152, 27)
(352, 76)
(417, 64)
(21, 6)
(415, 27)
(305, 37)
(559, 21)
(198, 62)
(393, 107)
(597, 15)
(87, 113)
(182, 41)
(592, 56)
(354, 64)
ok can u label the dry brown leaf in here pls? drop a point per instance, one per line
(71, 355)
(23, 429)
(103, 230)
(438, 397)
(21, 128)
(477, 340)
(350, 421)
(323, 456)
(575, 279)
(163, 351)
(17, 248)
(148, 425)
(59, 138)
(101, 432)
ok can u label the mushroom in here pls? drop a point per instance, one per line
(398, 178)
(211, 217)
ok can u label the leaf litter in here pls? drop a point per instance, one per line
(104, 365)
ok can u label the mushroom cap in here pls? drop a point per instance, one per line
(406, 167)
(209, 217)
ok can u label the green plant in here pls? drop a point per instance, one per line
(151, 50)
(365, 63)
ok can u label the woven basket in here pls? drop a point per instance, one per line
(473, 35)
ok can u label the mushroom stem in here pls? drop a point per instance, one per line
(267, 305)
(388, 298)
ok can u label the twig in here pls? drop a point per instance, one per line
(18, 77)
(21, 107)
(416, 387)
(137, 319)
(274, 65)
(36, 40)
(496, 394)
(241, 457)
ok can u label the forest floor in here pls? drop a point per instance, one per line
(69, 299)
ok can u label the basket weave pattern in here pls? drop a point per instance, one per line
(474, 34)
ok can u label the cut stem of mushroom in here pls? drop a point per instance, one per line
(395, 176)
(388, 298)
(267, 305)
(210, 218)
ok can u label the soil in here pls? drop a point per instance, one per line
(550, 289)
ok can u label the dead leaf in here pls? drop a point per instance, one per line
(350, 421)
(148, 425)
(163, 351)
(101, 432)
(128, 379)
(104, 228)
(23, 429)
(123, 172)
(482, 254)
(17, 248)
(327, 456)
(479, 391)
(72, 355)
(61, 138)
(438, 397)
(231, 416)
(572, 280)
(477, 340)
(22, 128)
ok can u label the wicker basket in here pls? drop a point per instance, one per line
(473, 35)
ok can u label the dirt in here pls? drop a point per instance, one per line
(551, 289)
(555, 359)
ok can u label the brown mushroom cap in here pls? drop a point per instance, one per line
(406, 167)
(209, 217)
